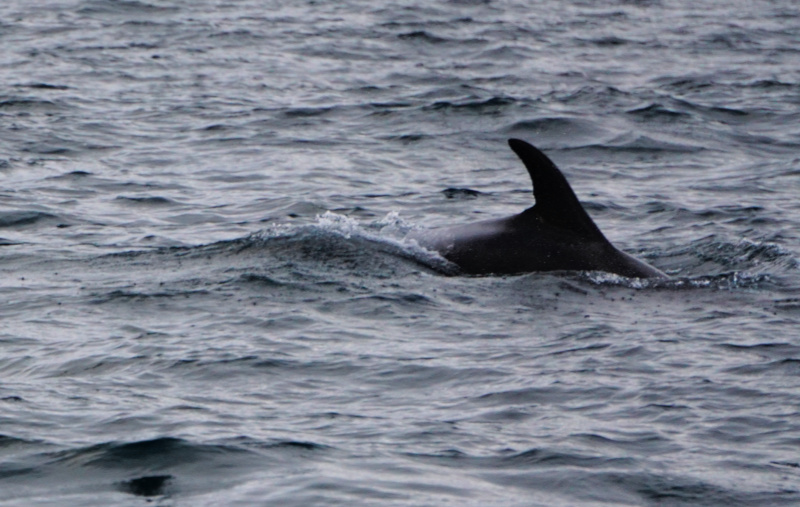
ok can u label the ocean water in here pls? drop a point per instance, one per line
(207, 297)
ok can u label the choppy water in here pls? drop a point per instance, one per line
(206, 298)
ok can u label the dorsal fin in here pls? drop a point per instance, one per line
(556, 203)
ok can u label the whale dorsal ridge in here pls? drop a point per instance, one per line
(556, 203)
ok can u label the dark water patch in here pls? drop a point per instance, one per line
(589, 349)
(128, 296)
(7, 441)
(504, 415)
(24, 218)
(303, 446)
(48, 149)
(473, 104)
(776, 350)
(280, 445)
(729, 40)
(407, 139)
(788, 464)
(156, 454)
(144, 45)
(506, 52)
(461, 193)
(260, 280)
(422, 36)
(148, 201)
(685, 491)
(788, 304)
(27, 105)
(237, 36)
(783, 367)
(768, 84)
(608, 41)
(72, 175)
(654, 112)
(308, 112)
(730, 210)
(127, 7)
(687, 84)
(45, 86)
(218, 127)
(390, 105)
(151, 485)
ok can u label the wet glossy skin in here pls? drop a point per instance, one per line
(556, 234)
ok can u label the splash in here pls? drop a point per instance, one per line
(339, 224)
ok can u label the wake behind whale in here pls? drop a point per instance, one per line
(555, 234)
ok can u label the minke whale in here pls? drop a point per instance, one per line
(553, 235)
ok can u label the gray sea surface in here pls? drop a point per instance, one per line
(207, 296)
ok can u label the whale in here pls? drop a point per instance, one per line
(555, 234)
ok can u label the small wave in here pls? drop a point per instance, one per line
(423, 36)
(609, 41)
(561, 131)
(520, 460)
(46, 86)
(160, 452)
(238, 36)
(8, 441)
(771, 349)
(287, 256)
(146, 200)
(309, 112)
(27, 104)
(23, 218)
(590, 95)
(562, 126)
(742, 257)
(728, 40)
(124, 7)
(128, 295)
(656, 111)
(771, 84)
(461, 193)
(644, 144)
(72, 175)
(407, 139)
(782, 367)
(473, 104)
(724, 281)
